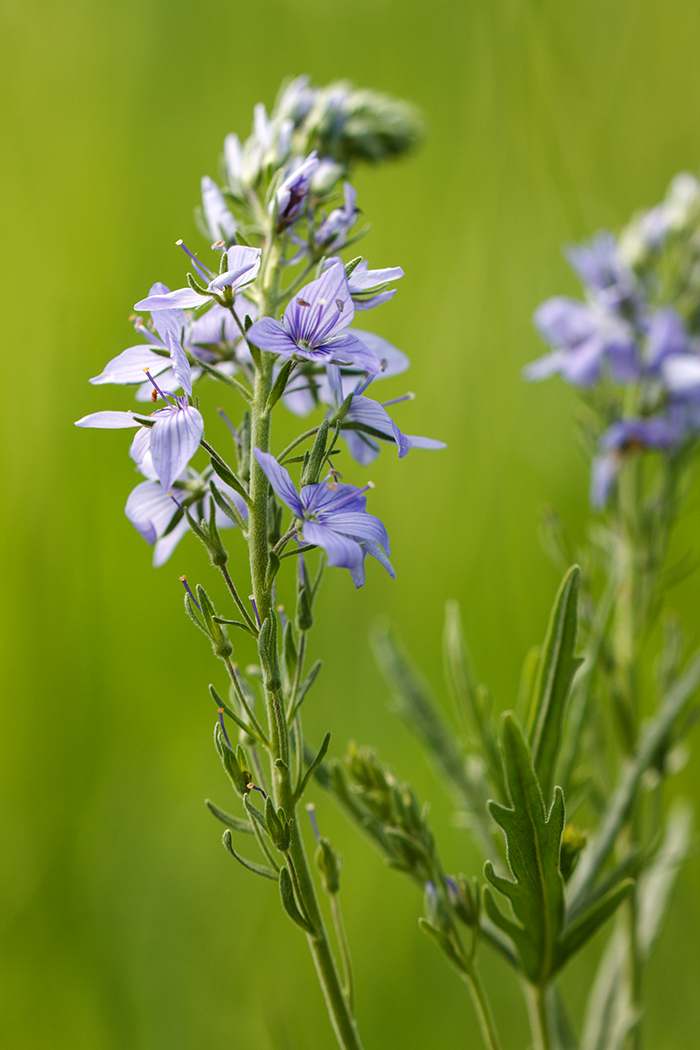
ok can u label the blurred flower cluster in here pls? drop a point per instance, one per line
(632, 345)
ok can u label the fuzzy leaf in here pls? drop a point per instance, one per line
(313, 767)
(442, 941)
(231, 822)
(258, 869)
(556, 670)
(289, 902)
(533, 841)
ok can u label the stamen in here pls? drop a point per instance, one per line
(283, 618)
(255, 608)
(204, 272)
(223, 727)
(183, 579)
(253, 787)
(169, 400)
(410, 396)
(311, 810)
(218, 245)
(350, 495)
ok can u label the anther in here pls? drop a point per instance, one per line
(204, 272)
(254, 787)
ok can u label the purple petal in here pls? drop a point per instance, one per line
(270, 335)
(681, 373)
(392, 362)
(362, 279)
(140, 448)
(167, 544)
(342, 551)
(243, 265)
(185, 298)
(363, 449)
(128, 366)
(359, 526)
(604, 471)
(279, 478)
(108, 420)
(325, 497)
(175, 438)
(150, 509)
(221, 223)
(565, 322)
(181, 366)
(376, 551)
(321, 309)
(368, 302)
(347, 349)
(423, 442)
(667, 336)
(544, 367)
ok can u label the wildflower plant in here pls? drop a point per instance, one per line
(574, 777)
(564, 794)
(268, 315)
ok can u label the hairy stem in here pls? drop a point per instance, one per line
(539, 1022)
(282, 787)
(483, 1009)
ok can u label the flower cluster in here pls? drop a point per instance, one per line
(633, 343)
(275, 212)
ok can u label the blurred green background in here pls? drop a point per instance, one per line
(124, 923)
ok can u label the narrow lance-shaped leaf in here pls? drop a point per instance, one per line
(289, 902)
(226, 818)
(258, 869)
(533, 840)
(468, 698)
(419, 711)
(556, 670)
(623, 798)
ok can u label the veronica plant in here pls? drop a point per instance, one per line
(269, 316)
(572, 780)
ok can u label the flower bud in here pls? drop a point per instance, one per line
(573, 840)
(329, 863)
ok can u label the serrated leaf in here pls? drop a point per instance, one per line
(289, 902)
(231, 822)
(556, 670)
(533, 843)
(257, 869)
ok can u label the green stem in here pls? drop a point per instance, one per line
(483, 1008)
(342, 939)
(282, 788)
(539, 1023)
